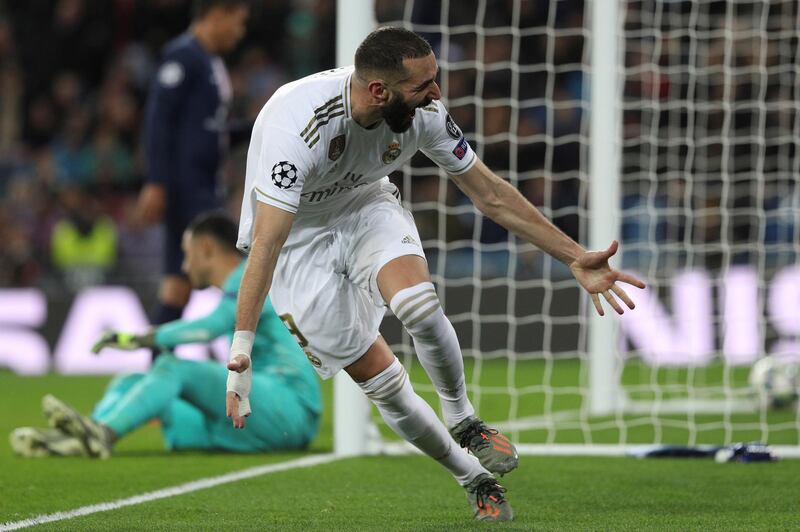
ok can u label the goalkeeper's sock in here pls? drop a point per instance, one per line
(415, 421)
(437, 347)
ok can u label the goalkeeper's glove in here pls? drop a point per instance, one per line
(122, 340)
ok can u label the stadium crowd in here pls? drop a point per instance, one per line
(74, 75)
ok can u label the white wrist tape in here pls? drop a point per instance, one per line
(242, 343)
(241, 383)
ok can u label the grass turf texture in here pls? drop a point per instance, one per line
(402, 493)
(504, 389)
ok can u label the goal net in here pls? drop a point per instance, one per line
(701, 187)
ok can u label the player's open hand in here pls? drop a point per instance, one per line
(595, 275)
(240, 378)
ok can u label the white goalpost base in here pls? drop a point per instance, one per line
(783, 452)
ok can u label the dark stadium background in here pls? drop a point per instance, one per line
(74, 77)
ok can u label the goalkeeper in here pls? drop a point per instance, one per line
(184, 395)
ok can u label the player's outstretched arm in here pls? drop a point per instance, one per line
(270, 229)
(503, 203)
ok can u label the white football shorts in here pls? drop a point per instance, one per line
(325, 284)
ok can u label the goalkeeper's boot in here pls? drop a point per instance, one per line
(96, 439)
(38, 443)
(488, 500)
(494, 451)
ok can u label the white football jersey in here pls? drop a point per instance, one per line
(307, 155)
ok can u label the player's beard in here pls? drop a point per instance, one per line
(399, 114)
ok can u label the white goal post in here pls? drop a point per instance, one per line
(353, 432)
(604, 170)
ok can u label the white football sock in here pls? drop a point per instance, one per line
(415, 421)
(437, 348)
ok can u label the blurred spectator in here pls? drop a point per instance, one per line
(68, 146)
(67, 92)
(10, 90)
(310, 22)
(84, 242)
(41, 122)
(107, 160)
(18, 265)
(256, 77)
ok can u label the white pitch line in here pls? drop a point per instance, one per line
(180, 489)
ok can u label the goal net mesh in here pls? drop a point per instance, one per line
(709, 213)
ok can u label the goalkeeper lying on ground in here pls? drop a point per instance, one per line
(186, 396)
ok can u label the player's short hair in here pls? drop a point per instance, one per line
(383, 51)
(218, 225)
(201, 7)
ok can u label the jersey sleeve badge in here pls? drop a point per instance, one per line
(284, 174)
(170, 74)
(461, 149)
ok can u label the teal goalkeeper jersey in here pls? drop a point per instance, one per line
(275, 350)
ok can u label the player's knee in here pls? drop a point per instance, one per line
(384, 387)
(419, 310)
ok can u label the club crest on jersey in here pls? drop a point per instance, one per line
(452, 128)
(391, 153)
(284, 174)
(336, 147)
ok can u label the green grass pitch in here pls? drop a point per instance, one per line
(391, 493)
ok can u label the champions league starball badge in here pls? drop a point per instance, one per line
(284, 174)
